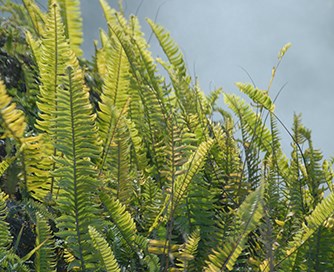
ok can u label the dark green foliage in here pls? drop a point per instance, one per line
(107, 166)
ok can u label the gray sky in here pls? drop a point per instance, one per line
(218, 37)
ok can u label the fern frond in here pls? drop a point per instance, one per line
(188, 251)
(77, 145)
(171, 50)
(116, 78)
(250, 213)
(251, 122)
(36, 16)
(5, 164)
(120, 217)
(13, 119)
(190, 168)
(260, 97)
(37, 162)
(52, 63)
(5, 236)
(45, 259)
(70, 11)
(105, 252)
(35, 46)
(313, 222)
(127, 243)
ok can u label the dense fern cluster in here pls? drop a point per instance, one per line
(112, 167)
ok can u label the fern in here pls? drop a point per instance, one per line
(101, 245)
(76, 140)
(36, 16)
(321, 213)
(188, 251)
(70, 11)
(250, 212)
(124, 233)
(12, 119)
(5, 237)
(251, 121)
(45, 256)
(172, 51)
(259, 96)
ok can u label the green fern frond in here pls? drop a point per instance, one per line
(116, 78)
(108, 12)
(77, 145)
(70, 11)
(190, 169)
(188, 251)
(13, 120)
(36, 16)
(127, 243)
(251, 122)
(5, 236)
(260, 97)
(313, 222)
(37, 162)
(105, 252)
(52, 63)
(45, 259)
(171, 50)
(5, 164)
(249, 213)
(120, 217)
(35, 46)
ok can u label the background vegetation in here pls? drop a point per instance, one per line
(109, 166)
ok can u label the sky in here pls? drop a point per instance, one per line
(221, 39)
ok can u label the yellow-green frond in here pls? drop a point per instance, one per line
(53, 56)
(70, 11)
(45, 258)
(13, 119)
(260, 97)
(247, 218)
(5, 236)
(170, 48)
(188, 250)
(77, 147)
(320, 214)
(105, 252)
(36, 16)
(250, 121)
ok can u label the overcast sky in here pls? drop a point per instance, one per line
(218, 37)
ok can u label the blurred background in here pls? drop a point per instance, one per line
(222, 39)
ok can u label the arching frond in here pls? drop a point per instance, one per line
(260, 97)
(13, 119)
(108, 260)
(190, 169)
(171, 50)
(251, 122)
(188, 251)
